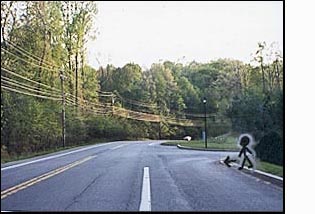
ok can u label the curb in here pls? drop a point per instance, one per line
(211, 150)
(167, 144)
(267, 177)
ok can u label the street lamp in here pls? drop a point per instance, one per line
(205, 103)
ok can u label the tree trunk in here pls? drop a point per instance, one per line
(278, 75)
(42, 57)
(263, 77)
(76, 78)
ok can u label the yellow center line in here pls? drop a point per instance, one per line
(14, 189)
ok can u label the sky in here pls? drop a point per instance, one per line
(150, 32)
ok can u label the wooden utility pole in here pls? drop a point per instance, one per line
(112, 104)
(160, 130)
(63, 117)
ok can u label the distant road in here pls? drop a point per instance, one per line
(133, 176)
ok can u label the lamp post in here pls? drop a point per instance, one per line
(205, 103)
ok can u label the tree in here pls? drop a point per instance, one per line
(127, 79)
(90, 85)
(189, 93)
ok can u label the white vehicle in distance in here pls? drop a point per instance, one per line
(188, 138)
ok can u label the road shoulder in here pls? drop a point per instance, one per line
(267, 177)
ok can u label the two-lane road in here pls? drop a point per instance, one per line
(133, 175)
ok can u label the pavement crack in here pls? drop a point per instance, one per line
(75, 199)
(133, 196)
(182, 200)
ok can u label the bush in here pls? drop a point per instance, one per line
(270, 148)
(76, 131)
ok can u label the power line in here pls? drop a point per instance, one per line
(29, 55)
(29, 89)
(86, 105)
(86, 101)
(135, 115)
(33, 81)
(134, 102)
(26, 61)
(102, 109)
(71, 103)
(26, 85)
(29, 94)
(40, 66)
(57, 90)
(106, 93)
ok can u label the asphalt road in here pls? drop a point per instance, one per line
(109, 177)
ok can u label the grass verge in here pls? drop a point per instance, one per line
(270, 168)
(6, 158)
(229, 144)
(211, 144)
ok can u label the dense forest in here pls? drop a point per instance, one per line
(44, 68)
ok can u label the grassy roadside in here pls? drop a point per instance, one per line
(270, 168)
(228, 143)
(6, 159)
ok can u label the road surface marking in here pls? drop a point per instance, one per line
(257, 171)
(151, 144)
(116, 147)
(270, 175)
(51, 157)
(145, 204)
(45, 176)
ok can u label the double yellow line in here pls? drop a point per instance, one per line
(14, 189)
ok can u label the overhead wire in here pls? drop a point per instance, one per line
(36, 58)
(32, 81)
(26, 85)
(86, 108)
(52, 88)
(32, 63)
(87, 104)
(29, 55)
(41, 67)
(105, 92)
(26, 61)
(29, 94)
(134, 102)
(116, 110)
(27, 88)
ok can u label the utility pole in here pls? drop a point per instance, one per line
(63, 118)
(160, 131)
(205, 108)
(112, 104)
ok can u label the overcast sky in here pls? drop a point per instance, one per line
(147, 32)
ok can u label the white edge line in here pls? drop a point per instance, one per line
(263, 173)
(145, 203)
(258, 171)
(270, 175)
(116, 147)
(51, 157)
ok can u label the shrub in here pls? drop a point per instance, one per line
(270, 148)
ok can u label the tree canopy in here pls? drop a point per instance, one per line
(42, 40)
